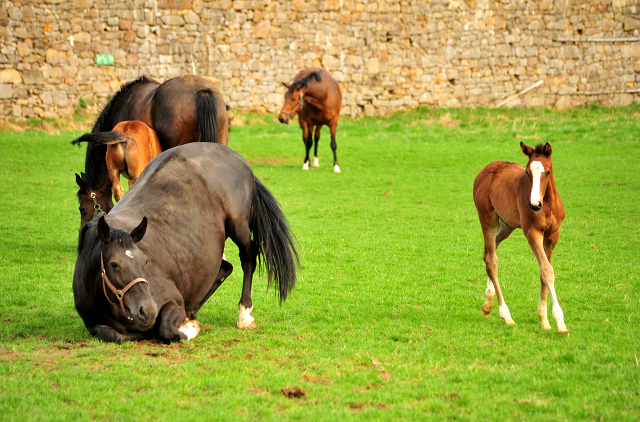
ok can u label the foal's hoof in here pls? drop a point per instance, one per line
(486, 311)
(563, 331)
(305, 166)
(245, 320)
(192, 328)
(315, 162)
(336, 169)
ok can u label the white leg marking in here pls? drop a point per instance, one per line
(315, 162)
(536, 171)
(190, 328)
(245, 320)
(336, 169)
(504, 313)
(489, 294)
(305, 166)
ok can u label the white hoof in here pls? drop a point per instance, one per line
(315, 162)
(305, 166)
(245, 320)
(336, 169)
(191, 328)
(504, 313)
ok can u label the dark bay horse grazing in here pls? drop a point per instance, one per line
(181, 110)
(155, 259)
(131, 145)
(316, 98)
(509, 196)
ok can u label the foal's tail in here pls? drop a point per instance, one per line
(274, 241)
(100, 138)
(207, 116)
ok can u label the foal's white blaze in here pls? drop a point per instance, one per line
(129, 253)
(536, 171)
(245, 320)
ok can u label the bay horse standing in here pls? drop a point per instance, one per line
(131, 145)
(181, 110)
(148, 266)
(316, 98)
(509, 196)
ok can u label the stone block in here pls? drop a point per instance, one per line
(60, 98)
(564, 103)
(6, 91)
(261, 30)
(10, 76)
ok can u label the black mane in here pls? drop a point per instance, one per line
(539, 149)
(304, 81)
(106, 110)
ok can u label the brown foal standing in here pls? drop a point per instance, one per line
(131, 145)
(316, 98)
(509, 196)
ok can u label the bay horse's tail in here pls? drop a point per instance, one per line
(207, 116)
(100, 138)
(273, 240)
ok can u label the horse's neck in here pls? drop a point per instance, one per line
(551, 195)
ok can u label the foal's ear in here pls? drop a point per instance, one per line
(80, 182)
(104, 232)
(286, 84)
(547, 150)
(138, 233)
(526, 150)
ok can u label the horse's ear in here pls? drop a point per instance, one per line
(104, 232)
(80, 182)
(547, 150)
(526, 150)
(287, 85)
(138, 233)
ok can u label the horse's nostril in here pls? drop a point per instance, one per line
(281, 119)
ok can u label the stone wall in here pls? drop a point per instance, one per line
(386, 55)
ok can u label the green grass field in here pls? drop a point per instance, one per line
(385, 322)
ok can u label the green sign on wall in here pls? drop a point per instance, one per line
(104, 59)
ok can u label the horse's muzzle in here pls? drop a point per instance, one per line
(144, 313)
(283, 120)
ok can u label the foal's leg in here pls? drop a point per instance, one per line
(490, 232)
(504, 231)
(333, 125)
(543, 250)
(307, 134)
(241, 236)
(315, 146)
(114, 152)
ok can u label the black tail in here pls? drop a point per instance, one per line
(100, 138)
(274, 241)
(207, 116)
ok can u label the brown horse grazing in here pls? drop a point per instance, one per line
(131, 145)
(315, 97)
(181, 110)
(509, 196)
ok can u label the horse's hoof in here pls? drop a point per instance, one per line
(305, 166)
(564, 330)
(251, 325)
(192, 328)
(245, 320)
(486, 312)
(336, 169)
(546, 326)
(315, 162)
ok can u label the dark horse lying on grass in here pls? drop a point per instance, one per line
(146, 268)
(181, 110)
(315, 97)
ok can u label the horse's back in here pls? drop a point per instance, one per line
(175, 111)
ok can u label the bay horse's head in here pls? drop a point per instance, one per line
(292, 103)
(91, 202)
(123, 267)
(539, 170)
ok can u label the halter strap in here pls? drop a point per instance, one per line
(119, 293)
(298, 106)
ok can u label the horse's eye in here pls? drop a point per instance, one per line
(548, 172)
(114, 266)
